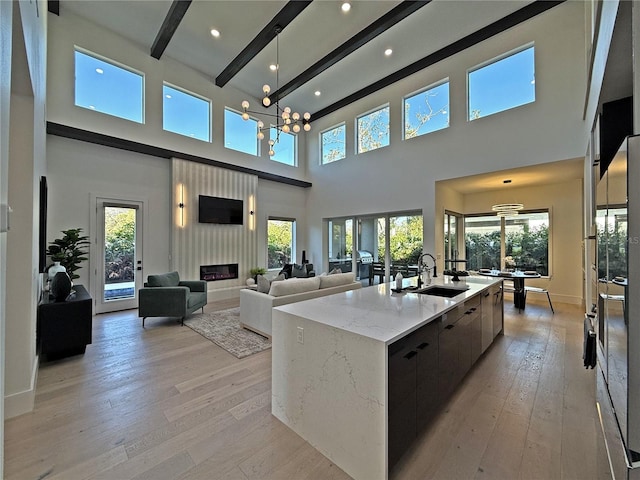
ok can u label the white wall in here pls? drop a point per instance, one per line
(195, 244)
(26, 163)
(6, 30)
(401, 176)
(76, 170)
(67, 31)
(564, 201)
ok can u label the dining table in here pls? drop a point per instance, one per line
(519, 277)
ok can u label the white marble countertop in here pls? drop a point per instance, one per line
(378, 313)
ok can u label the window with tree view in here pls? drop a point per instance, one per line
(519, 242)
(501, 85)
(373, 130)
(426, 111)
(280, 240)
(333, 144)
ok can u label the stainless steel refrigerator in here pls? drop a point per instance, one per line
(617, 221)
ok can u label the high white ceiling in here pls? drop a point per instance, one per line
(318, 30)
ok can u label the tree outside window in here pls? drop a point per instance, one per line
(280, 241)
(333, 143)
(373, 130)
(426, 111)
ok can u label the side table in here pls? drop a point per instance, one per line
(64, 328)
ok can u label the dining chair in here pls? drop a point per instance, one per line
(528, 289)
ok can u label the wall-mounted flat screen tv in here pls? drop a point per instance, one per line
(220, 210)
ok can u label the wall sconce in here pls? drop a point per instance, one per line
(252, 208)
(181, 204)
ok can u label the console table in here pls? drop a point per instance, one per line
(64, 328)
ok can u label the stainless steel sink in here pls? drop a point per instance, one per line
(442, 291)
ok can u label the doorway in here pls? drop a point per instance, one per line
(119, 273)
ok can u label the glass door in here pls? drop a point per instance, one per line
(120, 243)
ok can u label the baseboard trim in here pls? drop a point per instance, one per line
(22, 402)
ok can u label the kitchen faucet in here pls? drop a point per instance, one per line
(422, 267)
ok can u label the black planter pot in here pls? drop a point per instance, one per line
(60, 286)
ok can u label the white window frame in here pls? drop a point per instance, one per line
(116, 64)
(492, 61)
(433, 86)
(224, 132)
(194, 95)
(321, 143)
(357, 130)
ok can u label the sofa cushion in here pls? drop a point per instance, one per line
(294, 285)
(171, 279)
(336, 279)
(264, 284)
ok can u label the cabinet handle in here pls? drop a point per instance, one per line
(422, 346)
(487, 294)
(449, 327)
(411, 354)
(473, 309)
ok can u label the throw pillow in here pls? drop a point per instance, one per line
(298, 271)
(164, 280)
(263, 284)
(335, 270)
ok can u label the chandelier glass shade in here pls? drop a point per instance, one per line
(286, 120)
(507, 209)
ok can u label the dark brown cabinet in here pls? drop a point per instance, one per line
(413, 382)
(426, 366)
(64, 328)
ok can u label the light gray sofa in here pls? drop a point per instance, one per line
(256, 307)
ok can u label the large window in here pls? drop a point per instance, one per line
(281, 242)
(372, 130)
(284, 147)
(107, 88)
(503, 84)
(519, 242)
(426, 111)
(185, 113)
(483, 240)
(396, 237)
(239, 134)
(333, 144)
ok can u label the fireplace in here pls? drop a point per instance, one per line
(226, 271)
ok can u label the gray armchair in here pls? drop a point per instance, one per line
(166, 296)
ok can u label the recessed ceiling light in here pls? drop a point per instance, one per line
(388, 52)
(273, 67)
(215, 33)
(99, 70)
(167, 96)
(317, 93)
(346, 6)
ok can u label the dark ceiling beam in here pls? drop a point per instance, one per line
(169, 26)
(54, 7)
(291, 10)
(382, 24)
(79, 134)
(522, 15)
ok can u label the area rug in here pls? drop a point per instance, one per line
(223, 329)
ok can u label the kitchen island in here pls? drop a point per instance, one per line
(358, 374)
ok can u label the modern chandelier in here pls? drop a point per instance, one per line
(507, 209)
(286, 120)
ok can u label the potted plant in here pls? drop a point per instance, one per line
(255, 271)
(70, 250)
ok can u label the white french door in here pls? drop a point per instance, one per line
(118, 247)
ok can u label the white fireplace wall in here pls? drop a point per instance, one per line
(194, 244)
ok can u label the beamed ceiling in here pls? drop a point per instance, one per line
(321, 48)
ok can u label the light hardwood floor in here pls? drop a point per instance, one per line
(165, 403)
